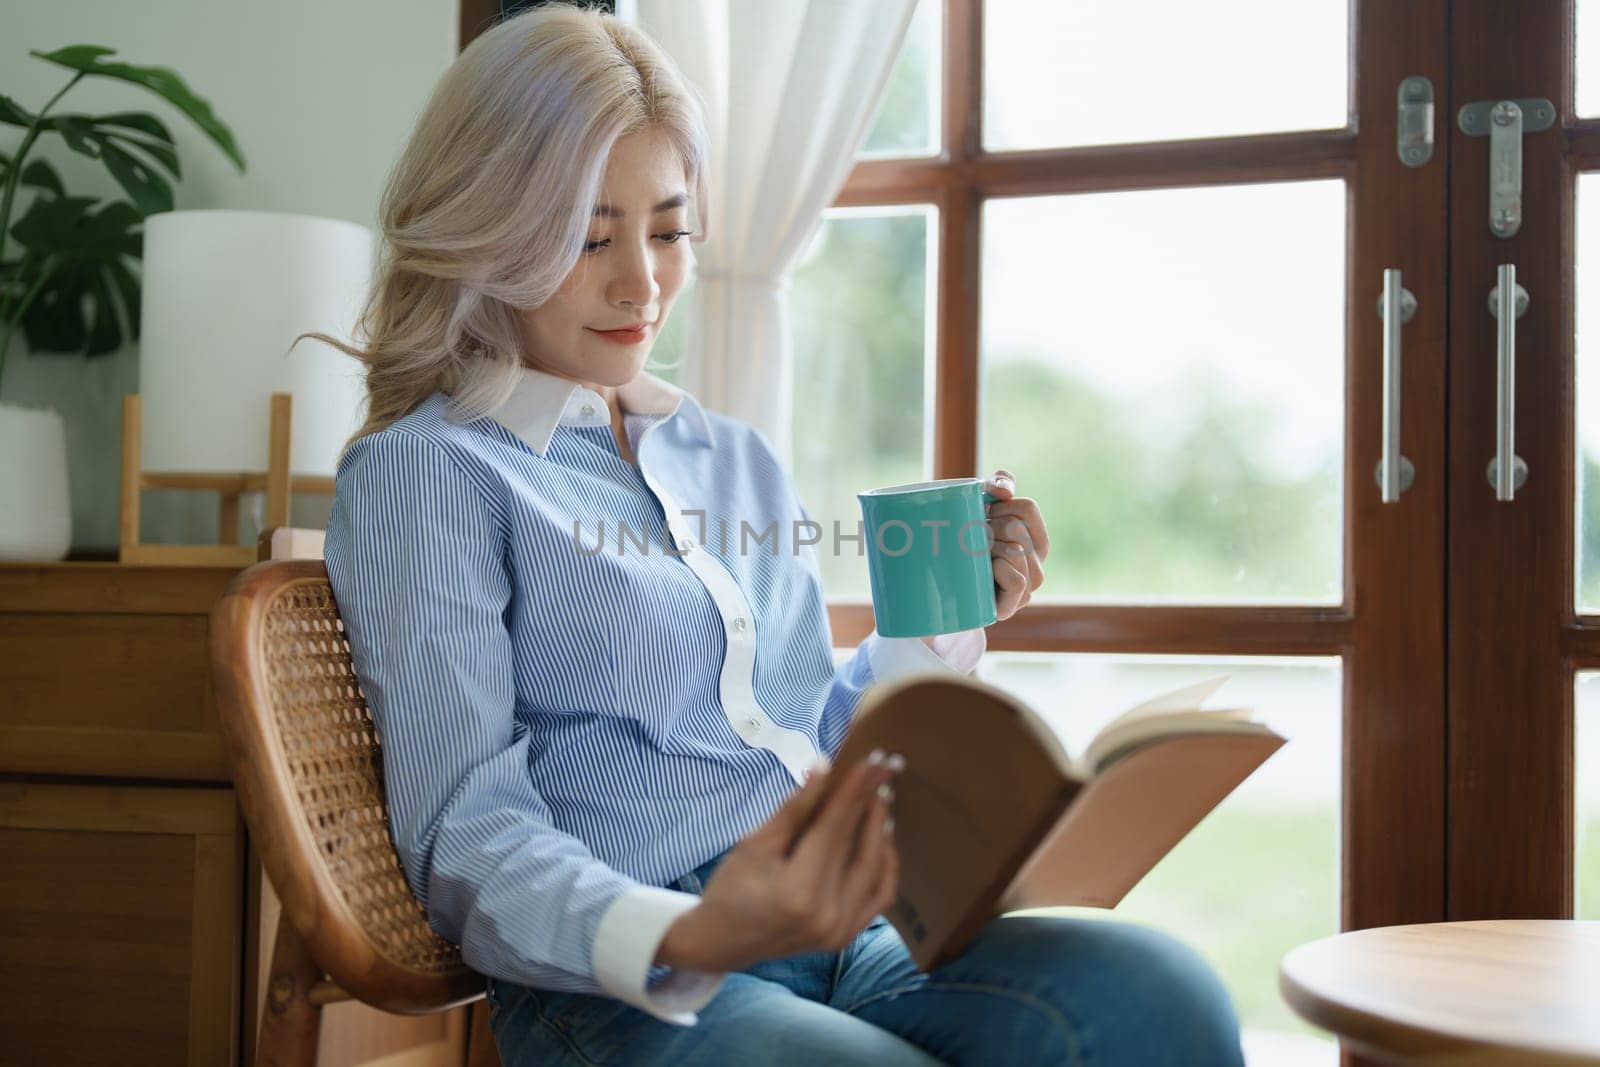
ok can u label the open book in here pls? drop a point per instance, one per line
(993, 814)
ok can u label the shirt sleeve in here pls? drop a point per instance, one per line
(416, 554)
(882, 659)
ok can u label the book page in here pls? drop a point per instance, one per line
(1118, 739)
(1127, 819)
(1186, 698)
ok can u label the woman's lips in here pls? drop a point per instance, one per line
(623, 337)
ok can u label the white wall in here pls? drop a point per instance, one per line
(320, 95)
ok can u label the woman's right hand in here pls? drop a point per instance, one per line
(784, 890)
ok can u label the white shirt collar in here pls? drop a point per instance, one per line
(541, 401)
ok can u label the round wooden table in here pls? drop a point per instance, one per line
(1502, 991)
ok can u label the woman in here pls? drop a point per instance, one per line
(592, 756)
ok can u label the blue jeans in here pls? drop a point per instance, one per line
(1029, 989)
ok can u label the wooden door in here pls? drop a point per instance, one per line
(1522, 592)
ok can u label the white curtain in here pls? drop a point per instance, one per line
(789, 88)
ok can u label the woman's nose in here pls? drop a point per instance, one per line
(635, 281)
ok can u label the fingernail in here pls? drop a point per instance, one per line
(896, 763)
(875, 757)
(886, 793)
(1013, 550)
(818, 765)
(888, 825)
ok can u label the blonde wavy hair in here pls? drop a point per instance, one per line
(488, 208)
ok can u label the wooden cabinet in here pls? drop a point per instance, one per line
(120, 937)
(134, 921)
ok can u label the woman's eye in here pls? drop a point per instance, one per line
(672, 238)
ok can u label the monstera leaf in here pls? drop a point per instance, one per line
(75, 256)
(162, 81)
(92, 137)
(43, 176)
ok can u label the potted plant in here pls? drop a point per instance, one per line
(66, 277)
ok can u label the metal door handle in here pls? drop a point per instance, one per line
(1508, 302)
(1395, 472)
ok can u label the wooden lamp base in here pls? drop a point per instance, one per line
(276, 483)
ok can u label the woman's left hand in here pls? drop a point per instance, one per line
(1020, 545)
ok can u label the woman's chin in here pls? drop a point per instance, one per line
(616, 367)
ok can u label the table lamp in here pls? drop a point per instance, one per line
(224, 404)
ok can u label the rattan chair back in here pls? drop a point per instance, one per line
(308, 767)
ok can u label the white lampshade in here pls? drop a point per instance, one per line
(225, 294)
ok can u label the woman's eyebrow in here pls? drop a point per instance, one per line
(606, 211)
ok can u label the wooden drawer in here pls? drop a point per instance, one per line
(120, 933)
(106, 671)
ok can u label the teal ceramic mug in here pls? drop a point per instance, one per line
(928, 556)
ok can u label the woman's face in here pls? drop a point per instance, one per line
(629, 273)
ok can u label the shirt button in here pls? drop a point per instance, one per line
(686, 543)
(755, 723)
(587, 410)
(739, 624)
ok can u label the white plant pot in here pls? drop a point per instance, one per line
(35, 508)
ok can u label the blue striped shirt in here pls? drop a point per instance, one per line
(584, 682)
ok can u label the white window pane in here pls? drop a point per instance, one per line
(907, 120)
(1586, 351)
(1586, 71)
(1164, 373)
(1084, 72)
(1586, 775)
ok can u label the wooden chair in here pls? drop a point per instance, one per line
(308, 770)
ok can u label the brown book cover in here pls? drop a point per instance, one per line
(993, 814)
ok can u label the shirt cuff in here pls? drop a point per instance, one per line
(895, 657)
(625, 945)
